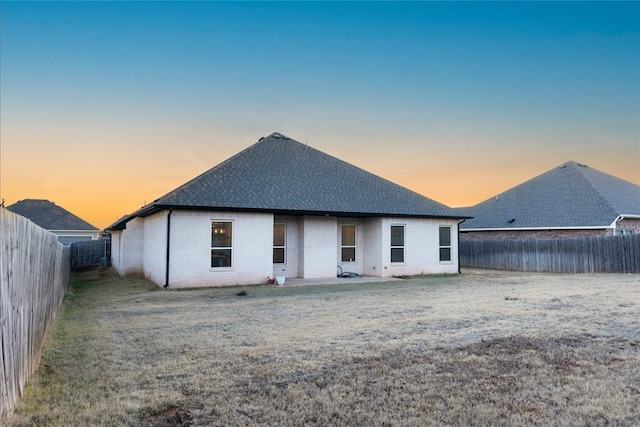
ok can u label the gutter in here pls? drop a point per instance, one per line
(581, 227)
(623, 216)
(166, 277)
(459, 222)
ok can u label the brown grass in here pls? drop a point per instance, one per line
(480, 348)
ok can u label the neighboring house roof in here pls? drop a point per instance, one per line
(49, 216)
(570, 195)
(279, 174)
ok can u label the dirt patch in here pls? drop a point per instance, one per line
(170, 417)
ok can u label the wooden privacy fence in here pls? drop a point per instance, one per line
(34, 272)
(610, 254)
(91, 253)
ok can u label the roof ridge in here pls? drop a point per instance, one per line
(279, 135)
(280, 174)
(193, 180)
(33, 209)
(571, 194)
(596, 189)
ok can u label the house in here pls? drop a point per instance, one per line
(571, 200)
(282, 208)
(68, 227)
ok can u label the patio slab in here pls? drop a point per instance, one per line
(294, 281)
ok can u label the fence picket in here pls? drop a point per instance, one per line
(34, 272)
(609, 254)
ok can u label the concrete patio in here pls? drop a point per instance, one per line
(294, 281)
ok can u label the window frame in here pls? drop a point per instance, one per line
(442, 246)
(283, 247)
(396, 247)
(222, 248)
(354, 246)
(624, 232)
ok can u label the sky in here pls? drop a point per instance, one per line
(106, 106)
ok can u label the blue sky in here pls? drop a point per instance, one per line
(458, 101)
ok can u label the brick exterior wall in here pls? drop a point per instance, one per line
(312, 247)
(629, 224)
(190, 260)
(625, 224)
(532, 234)
(422, 247)
(127, 248)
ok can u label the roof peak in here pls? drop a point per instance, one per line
(280, 174)
(276, 135)
(572, 194)
(35, 200)
(572, 163)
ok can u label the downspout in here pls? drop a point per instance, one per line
(166, 274)
(460, 222)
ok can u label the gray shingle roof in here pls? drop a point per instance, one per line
(279, 174)
(571, 195)
(49, 216)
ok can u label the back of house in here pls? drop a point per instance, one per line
(282, 208)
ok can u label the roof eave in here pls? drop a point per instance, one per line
(578, 227)
(154, 208)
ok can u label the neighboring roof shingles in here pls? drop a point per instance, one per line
(280, 174)
(571, 195)
(49, 216)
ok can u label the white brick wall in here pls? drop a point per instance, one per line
(116, 253)
(373, 250)
(312, 248)
(154, 257)
(128, 244)
(356, 266)
(318, 245)
(190, 259)
(290, 268)
(422, 250)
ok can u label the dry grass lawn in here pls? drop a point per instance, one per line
(481, 348)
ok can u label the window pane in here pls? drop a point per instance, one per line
(445, 254)
(278, 255)
(220, 257)
(397, 254)
(221, 235)
(278, 234)
(348, 235)
(348, 254)
(397, 235)
(445, 236)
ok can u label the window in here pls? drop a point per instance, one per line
(221, 243)
(445, 243)
(623, 232)
(397, 243)
(279, 243)
(348, 243)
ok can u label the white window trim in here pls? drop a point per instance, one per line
(285, 243)
(230, 268)
(623, 232)
(450, 246)
(404, 244)
(354, 246)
